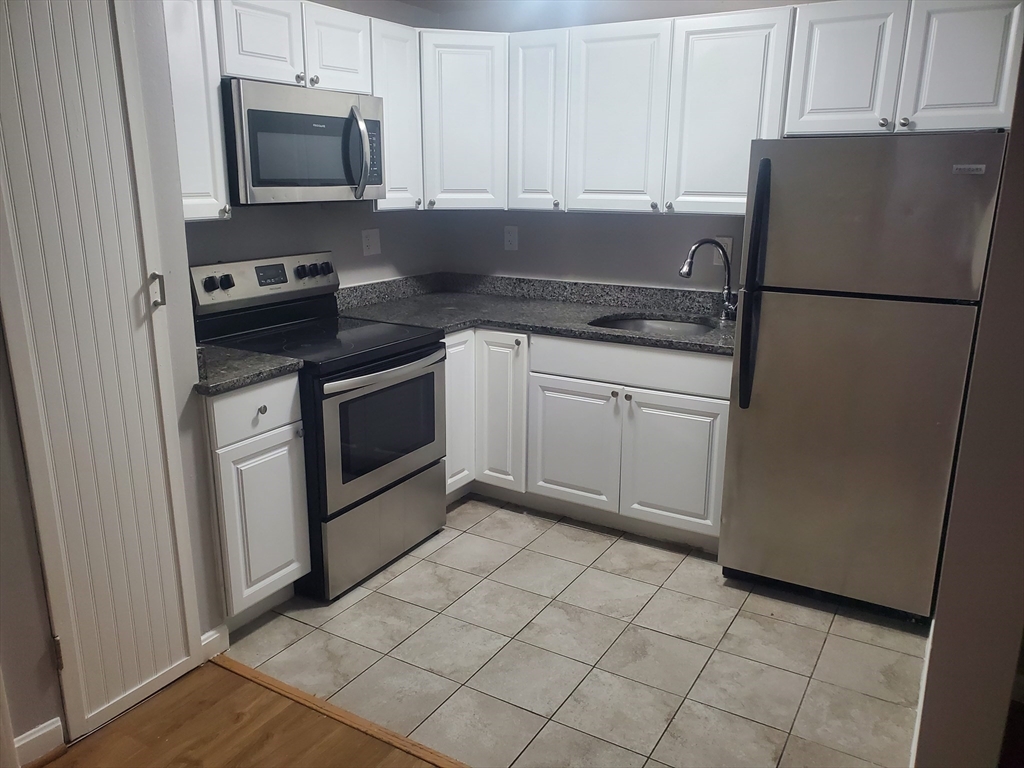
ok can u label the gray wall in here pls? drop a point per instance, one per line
(30, 675)
(389, 10)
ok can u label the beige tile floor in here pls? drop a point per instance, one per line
(512, 638)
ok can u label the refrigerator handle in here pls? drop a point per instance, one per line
(750, 294)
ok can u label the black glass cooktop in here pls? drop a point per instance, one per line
(331, 344)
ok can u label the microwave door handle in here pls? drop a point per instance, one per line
(364, 136)
(346, 385)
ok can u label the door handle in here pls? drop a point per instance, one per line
(364, 135)
(160, 300)
(751, 291)
(346, 385)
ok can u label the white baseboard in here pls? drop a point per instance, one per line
(40, 741)
(215, 641)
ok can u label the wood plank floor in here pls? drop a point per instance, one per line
(217, 717)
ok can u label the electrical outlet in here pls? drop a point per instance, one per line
(727, 242)
(511, 238)
(371, 242)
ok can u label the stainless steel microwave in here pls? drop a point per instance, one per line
(287, 144)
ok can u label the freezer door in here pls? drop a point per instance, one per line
(907, 215)
(837, 472)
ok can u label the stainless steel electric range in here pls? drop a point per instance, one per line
(372, 408)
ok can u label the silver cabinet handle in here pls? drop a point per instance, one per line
(300, 78)
(346, 385)
(419, 201)
(262, 409)
(883, 121)
(430, 203)
(615, 393)
(364, 135)
(904, 122)
(519, 342)
(669, 206)
(161, 299)
(225, 212)
(654, 206)
(554, 204)
(629, 397)
(314, 80)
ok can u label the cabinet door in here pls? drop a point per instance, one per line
(728, 78)
(501, 370)
(673, 459)
(575, 437)
(618, 103)
(465, 119)
(960, 69)
(396, 79)
(262, 39)
(261, 488)
(460, 409)
(538, 94)
(845, 67)
(337, 45)
(191, 29)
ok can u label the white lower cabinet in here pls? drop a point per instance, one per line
(501, 371)
(575, 429)
(261, 494)
(673, 459)
(460, 409)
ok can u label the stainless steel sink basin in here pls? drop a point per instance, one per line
(676, 328)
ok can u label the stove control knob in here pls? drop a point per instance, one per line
(326, 268)
(227, 281)
(314, 270)
(210, 284)
(301, 271)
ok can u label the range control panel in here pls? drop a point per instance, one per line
(221, 287)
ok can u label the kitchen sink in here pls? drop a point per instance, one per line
(655, 326)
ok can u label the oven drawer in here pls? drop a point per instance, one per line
(253, 410)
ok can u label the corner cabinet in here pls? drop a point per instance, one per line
(538, 94)
(502, 366)
(260, 485)
(460, 409)
(396, 79)
(465, 119)
(728, 80)
(191, 30)
(618, 105)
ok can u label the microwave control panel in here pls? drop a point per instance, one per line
(375, 177)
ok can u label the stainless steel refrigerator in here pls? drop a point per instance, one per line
(864, 261)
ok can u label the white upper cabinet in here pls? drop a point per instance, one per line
(728, 79)
(460, 409)
(961, 64)
(337, 45)
(538, 94)
(618, 104)
(396, 79)
(501, 370)
(191, 29)
(845, 66)
(262, 39)
(465, 119)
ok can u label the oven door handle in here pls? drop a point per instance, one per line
(364, 137)
(346, 385)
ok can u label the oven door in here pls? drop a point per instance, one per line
(380, 427)
(299, 144)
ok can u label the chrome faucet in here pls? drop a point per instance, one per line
(729, 303)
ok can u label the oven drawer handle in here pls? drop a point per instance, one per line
(346, 385)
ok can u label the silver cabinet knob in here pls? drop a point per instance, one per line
(654, 206)
(314, 80)
(615, 393)
(225, 212)
(883, 121)
(300, 78)
(554, 204)
(519, 342)
(262, 409)
(419, 201)
(629, 397)
(904, 122)
(669, 206)
(430, 203)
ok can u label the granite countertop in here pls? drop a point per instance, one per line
(455, 311)
(223, 370)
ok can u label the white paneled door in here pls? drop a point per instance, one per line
(396, 79)
(501, 370)
(845, 68)
(262, 39)
(960, 70)
(465, 119)
(337, 45)
(538, 94)
(618, 102)
(728, 80)
(460, 409)
(78, 313)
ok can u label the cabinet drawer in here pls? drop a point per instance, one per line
(240, 414)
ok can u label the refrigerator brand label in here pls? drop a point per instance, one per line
(972, 170)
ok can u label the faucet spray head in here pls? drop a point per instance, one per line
(687, 269)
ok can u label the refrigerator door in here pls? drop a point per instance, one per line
(905, 215)
(837, 472)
